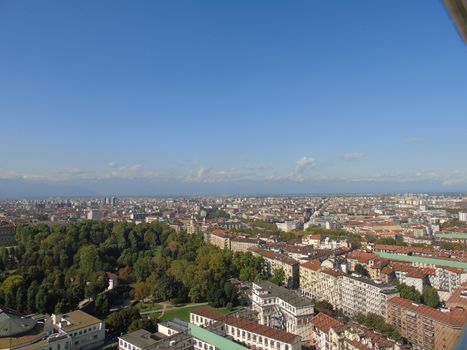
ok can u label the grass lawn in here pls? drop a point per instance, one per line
(184, 312)
(148, 307)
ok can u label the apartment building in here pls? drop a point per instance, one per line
(242, 244)
(86, 331)
(249, 333)
(219, 239)
(309, 275)
(363, 295)
(329, 287)
(282, 308)
(458, 299)
(449, 278)
(424, 327)
(287, 226)
(329, 333)
(232, 242)
(274, 261)
(321, 326)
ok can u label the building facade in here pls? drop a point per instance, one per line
(424, 327)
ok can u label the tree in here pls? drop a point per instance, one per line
(409, 292)
(431, 297)
(102, 304)
(21, 299)
(377, 322)
(278, 277)
(119, 321)
(325, 307)
(141, 291)
(360, 269)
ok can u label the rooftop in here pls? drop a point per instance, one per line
(325, 322)
(76, 320)
(289, 296)
(453, 318)
(424, 260)
(140, 338)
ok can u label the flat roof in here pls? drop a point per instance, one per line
(140, 338)
(77, 319)
(214, 339)
(424, 260)
(451, 235)
(289, 296)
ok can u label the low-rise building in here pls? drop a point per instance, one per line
(86, 331)
(249, 333)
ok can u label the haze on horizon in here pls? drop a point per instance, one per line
(241, 97)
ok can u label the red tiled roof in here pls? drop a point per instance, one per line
(312, 265)
(454, 318)
(208, 313)
(325, 322)
(274, 256)
(459, 296)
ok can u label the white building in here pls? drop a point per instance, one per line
(95, 214)
(86, 331)
(282, 308)
(248, 333)
(287, 226)
(363, 295)
(462, 217)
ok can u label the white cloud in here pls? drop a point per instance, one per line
(301, 165)
(354, 156)
(304, 163)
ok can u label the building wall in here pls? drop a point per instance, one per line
(423, 332)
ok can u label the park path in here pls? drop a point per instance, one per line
(166, 306)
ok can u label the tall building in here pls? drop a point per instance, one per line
(462, 217)
(424, 327)
(363, 295)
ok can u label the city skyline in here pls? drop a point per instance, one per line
(183, 98)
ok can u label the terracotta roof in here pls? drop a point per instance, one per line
(332, 272)
(208, 313)
(454, 318)
(362, 257)
(459, 297)
(325, 322)
(220, 233)
(265, 331)
(274, 256)
(312, 265)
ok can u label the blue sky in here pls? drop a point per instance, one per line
(232, 96)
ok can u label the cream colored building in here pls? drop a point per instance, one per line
(275, 261)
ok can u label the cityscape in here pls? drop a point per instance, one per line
(233, 175)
